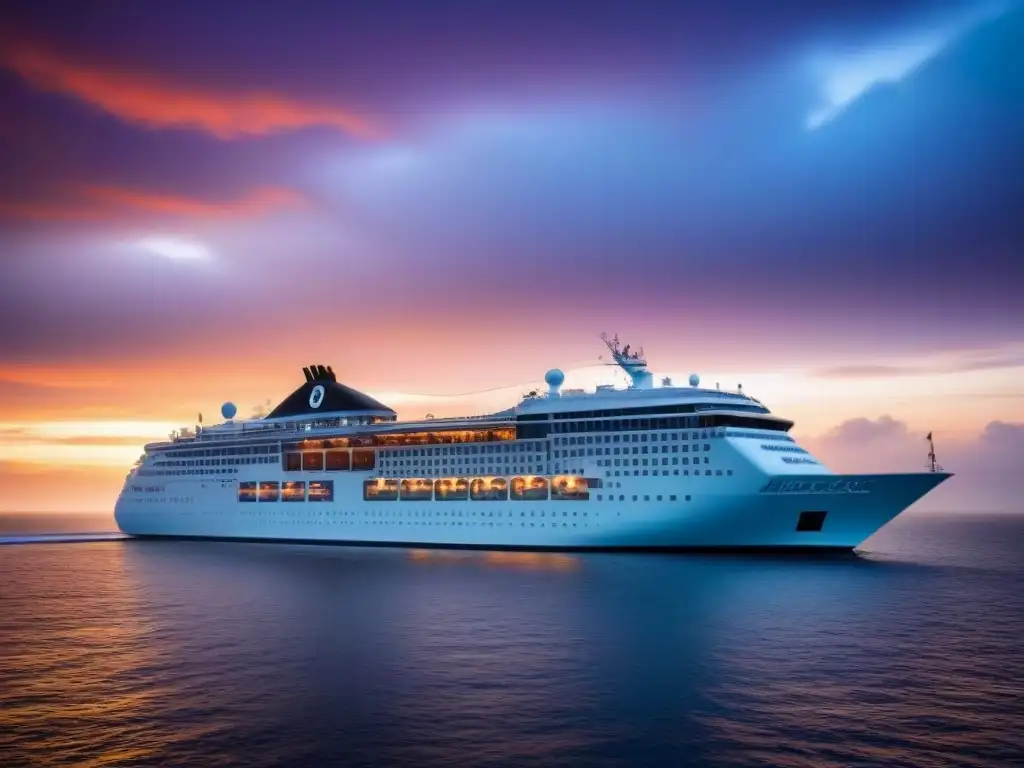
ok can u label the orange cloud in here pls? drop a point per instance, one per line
(158, 103)
(257, 201)
(104, 202)
(58, 377)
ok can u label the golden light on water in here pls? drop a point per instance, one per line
(534, 561)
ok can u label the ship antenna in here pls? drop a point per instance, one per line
(633, 363)
(933, 465)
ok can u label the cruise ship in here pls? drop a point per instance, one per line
(646, 466)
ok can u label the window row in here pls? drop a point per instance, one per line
(676, 461)
(446, 437)
(457, 469)
(707, 421)
(519, 446)
(229, 462)
(665, 472)
(641, 450)
(329, 461)
(659, 409)
(636, 438)
(166, 472)
(528, 488)
(272, 490)
(234, 450)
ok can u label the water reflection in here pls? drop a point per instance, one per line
(537, 561)
(381, 655)
(83, 662)
(184, 653)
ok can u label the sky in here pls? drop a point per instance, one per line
(817, 200)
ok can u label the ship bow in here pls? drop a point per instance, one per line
(842, 511)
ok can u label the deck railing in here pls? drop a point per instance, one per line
(223, 432)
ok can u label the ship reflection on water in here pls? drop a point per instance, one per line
(535, 561)
(202, 653)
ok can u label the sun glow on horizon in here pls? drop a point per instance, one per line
(955, 395)
(79, 443)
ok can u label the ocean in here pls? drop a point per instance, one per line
(169, 653)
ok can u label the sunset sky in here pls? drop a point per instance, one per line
(443, 200)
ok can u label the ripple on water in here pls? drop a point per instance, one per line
(173, 653)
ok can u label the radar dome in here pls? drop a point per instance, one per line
(228, 410)
(554, 378)
(694, 379)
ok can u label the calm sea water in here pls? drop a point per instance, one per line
(133, 653)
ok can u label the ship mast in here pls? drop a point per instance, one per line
(933, 465)
(633, 363)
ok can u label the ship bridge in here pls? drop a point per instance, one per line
(641, 405)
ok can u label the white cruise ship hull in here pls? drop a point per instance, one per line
(789, 511)
(640, 468)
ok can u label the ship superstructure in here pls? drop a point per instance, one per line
(648, 467)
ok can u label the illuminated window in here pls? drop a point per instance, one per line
(489, 489)
(321, 490)
(269, 490)
(416, 489)
(313, 461)
(293, 491)
(363, 460)
(529, 488)
(247, 491)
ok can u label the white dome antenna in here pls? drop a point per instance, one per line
(554, 379)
